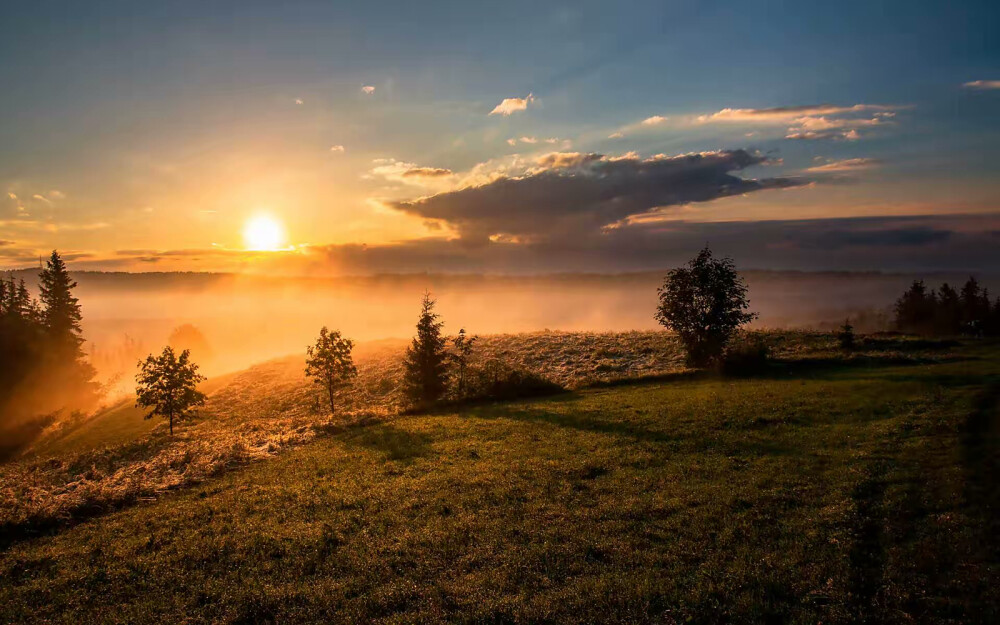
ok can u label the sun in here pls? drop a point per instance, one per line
(263, 233)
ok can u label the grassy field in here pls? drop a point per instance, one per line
(829, 489)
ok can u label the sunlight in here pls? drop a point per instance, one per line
(263, 233)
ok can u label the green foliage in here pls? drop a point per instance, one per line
(167, 384)
(330, 364)
(425, 367)
(705, 303)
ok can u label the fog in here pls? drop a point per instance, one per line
(246, 319)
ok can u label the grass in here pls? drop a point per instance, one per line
(833, 489)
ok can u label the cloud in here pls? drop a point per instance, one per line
(337, 148)
(982, 84)
(616, 135)
(836, 239)
(511, 105)
(567, 194)
(426, 172)
(655, 120)
(846, 165)
(299, 101)
(810, 135)
(783, 114)
(368, 89)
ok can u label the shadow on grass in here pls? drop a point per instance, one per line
(395, 443)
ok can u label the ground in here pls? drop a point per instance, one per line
(829, 490)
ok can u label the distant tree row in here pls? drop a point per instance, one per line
(946, 311)
(42, 364)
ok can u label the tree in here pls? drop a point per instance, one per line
(425, 375)
(705, 303)
(167, 384)
(461, 355)
(329, 362)
(846, 335)
(915, 309)
(60, 309)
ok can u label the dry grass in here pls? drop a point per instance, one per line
(271, 406)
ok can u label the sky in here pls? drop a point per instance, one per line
(524, 137)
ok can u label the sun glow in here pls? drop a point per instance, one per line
(263, 233)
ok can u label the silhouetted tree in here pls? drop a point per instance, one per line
(329, 362)
(425, 376)
(915, 309)
(948, 316)
(705, 303)
(60, 309)
(846, 335)
(461, 354)
(168, 384)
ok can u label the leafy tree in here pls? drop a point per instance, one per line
(168, 385)
(461, 354)
(425, 377)
(329, 362)
(705, 303)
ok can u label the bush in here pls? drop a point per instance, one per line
(746, 356)
(498, 380)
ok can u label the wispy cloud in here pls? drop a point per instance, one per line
(982, 84)
(784, 114)
(655, 120)
(368, 89)
(510, 106)
(846, 165)
(337, 148)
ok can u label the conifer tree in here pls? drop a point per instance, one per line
(61, 314)
(426, 365)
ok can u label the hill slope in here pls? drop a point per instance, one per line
(835, 494)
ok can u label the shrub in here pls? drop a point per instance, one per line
(746, 356)
(846, 335)
(498, 380)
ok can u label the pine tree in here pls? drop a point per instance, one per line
(426, 365)
(463, 353)
(61, 314)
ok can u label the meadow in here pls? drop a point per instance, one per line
(829, 488)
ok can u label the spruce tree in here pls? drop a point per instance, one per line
(61, 314)
(425, 376)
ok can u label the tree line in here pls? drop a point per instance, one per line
(948, 312)
(43, 367)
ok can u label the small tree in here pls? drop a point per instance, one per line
(705, 303)
(846, 335)
(167, 384)
(461, 355)
(60, 308)
(329, 362)
(425, 375)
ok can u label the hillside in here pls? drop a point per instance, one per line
(828, 489)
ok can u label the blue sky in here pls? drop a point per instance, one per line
(160, 129)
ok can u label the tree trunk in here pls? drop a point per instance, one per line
(171, 424)
(329, 390)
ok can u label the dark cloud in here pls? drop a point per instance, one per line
(570, 194)
(893, 237)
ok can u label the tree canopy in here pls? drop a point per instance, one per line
(704, 302)
(168, 385)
